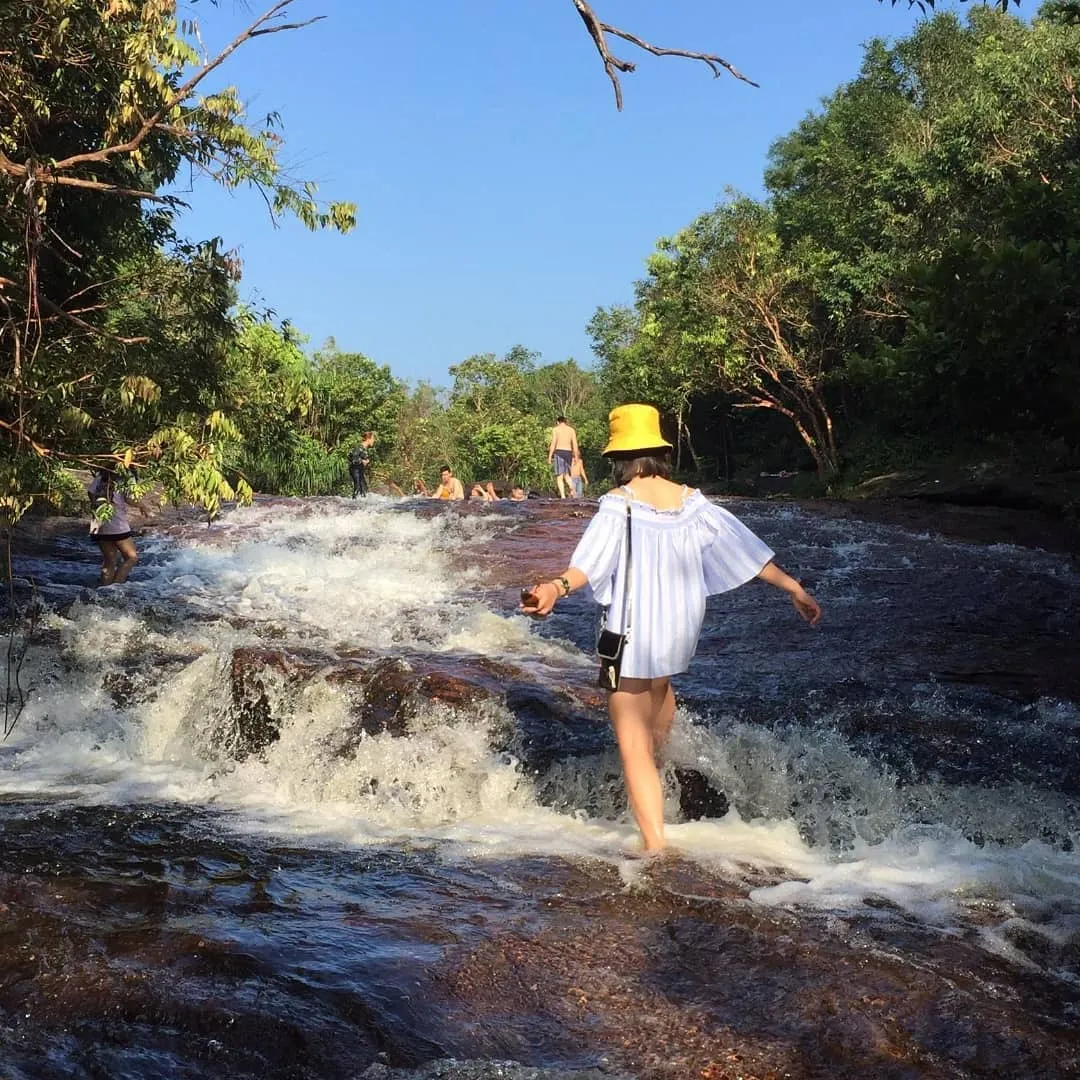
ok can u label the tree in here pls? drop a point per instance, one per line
(102, 104)
(938, 195)
(635, 367)
(426, 436)
(493, 412)
(726, 308)
(352, 394)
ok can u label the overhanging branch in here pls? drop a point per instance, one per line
(613, 65)
(258, 28)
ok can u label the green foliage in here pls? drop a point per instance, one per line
(297, 417)
(495, 422)
(350, 395)
(113, 331)
(726, 308)
(912, 277)
(939, 191)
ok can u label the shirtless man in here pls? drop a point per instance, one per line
(561, 453)
(449, 486)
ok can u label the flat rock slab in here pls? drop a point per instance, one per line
(450, 1069)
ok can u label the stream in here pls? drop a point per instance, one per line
(307, 798)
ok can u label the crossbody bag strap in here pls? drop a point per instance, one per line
(627, 580)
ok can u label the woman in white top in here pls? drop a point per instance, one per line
(112, 533)
(683, 549)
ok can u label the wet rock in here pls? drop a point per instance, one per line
(383, 691)
(1048, 950)
(550, 726)
(389, 693)
(385, 694)
(132, 681)
(449, 1069)
(121, 686)
(256, 725)
(698, 798)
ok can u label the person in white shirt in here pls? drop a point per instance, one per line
(111, 530)
(652, 553)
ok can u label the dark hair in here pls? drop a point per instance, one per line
(624, 467)
(445, 468)
(560, 419)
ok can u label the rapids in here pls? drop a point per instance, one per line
(307, 798)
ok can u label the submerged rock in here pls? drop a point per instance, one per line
(698, 798)
(257, 726)
(390, 694)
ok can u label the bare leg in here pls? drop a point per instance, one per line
(663, 716)
(110, 555)
(130, 558)
(631, 711)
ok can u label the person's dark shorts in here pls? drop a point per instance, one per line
(562, 461)
(99, 539)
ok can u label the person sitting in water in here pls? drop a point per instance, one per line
(518, 493)
(113, 533)
(449, 486)
(487, 492)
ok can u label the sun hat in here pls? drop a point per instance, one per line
(634, 427)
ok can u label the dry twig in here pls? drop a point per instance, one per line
(599, 32)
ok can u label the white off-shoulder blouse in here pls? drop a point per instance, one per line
(679, 557)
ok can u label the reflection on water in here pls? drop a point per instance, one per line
(308, 797)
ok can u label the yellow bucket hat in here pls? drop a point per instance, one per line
(634, 427)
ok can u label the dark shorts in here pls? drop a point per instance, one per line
(562, 461)
(99, 539)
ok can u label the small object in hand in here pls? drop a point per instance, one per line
(527, 596)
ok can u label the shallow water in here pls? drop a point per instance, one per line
(233, 851)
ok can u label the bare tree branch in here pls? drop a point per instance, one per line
(613, 65)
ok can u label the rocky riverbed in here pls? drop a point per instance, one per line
(306, 798)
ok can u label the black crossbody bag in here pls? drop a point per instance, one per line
(609, 645)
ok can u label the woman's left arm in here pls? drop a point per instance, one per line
(804, 603)
(541, 599)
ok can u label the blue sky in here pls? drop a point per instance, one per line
(501, 197)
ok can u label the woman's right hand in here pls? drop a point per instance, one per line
(540, 599)
(806, 606)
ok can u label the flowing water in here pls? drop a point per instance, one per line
(306, 798)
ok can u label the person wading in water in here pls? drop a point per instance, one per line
(112, 534)
(359, 463)
(652, 553)
(578, 476)
(562, 450)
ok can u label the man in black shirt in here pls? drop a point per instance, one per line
(359, 462)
